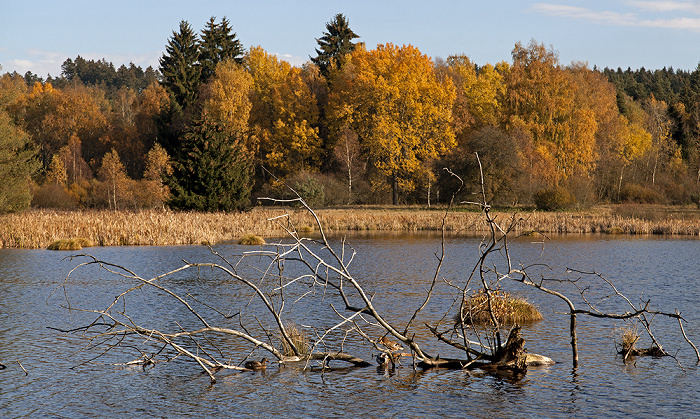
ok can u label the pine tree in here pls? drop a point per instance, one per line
(218, 44)
(334, 44)
(180, 67)
(214, 171)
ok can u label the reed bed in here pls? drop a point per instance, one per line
(39, 228)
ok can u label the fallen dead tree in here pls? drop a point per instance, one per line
(284, 273)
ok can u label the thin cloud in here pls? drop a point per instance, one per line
(666, 6)
(650, 14)
(574, 12)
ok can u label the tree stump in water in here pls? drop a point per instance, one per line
(511, 357)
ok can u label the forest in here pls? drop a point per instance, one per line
(216, 125)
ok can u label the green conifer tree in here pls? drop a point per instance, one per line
(218, 44)
(334, 44)
(180, 66)
(213, 172)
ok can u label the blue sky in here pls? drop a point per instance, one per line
(39, 35)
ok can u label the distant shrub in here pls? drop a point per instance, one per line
(695, 198)
(640, 194)
(311, 190)
(553, 199)
(53, 196)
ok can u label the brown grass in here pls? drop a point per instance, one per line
(299, 339)
(628, 338)
(507, 309)
(69, 244)
(251, 240)
(39, 228)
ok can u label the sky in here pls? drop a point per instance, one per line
(39, 35)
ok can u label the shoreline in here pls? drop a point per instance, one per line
(36, 229)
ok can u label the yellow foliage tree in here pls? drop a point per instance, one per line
(115, 180)
(57, 173)
(284, 115)
(399, 109)
(479, 93)
(154, 191)
(228, 97)
(52, 117)
(543, 100)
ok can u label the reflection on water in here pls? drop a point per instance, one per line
(396, 269)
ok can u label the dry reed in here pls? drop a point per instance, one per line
(628, 338)
(298, 338)
(39, 228)
(506, 308)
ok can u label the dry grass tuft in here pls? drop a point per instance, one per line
(299, 339)
(628, 337)
(251, 240)
(305, 229)
(69, 244)
(507, 309)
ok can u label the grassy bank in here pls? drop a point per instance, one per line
(39, 228)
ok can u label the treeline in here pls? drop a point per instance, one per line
(216, 126)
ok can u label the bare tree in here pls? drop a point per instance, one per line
(277, 276)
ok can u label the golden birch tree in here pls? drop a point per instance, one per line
(542, 101)
(284, 115)
(399, 109)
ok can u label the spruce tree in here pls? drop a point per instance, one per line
(213, 172)
(180, 66)
(218, 44)
(334, 44)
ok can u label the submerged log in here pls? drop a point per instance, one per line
(653, 351)
(511, 357)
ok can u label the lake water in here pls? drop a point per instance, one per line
(60, 382)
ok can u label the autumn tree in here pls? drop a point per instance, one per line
(115, 180)
(213, 172)
(658, 124)
(479, 93)
(227, 97)
(57, 173)
(155, 192)
(334, 45)
(621, 141)
(218, 44)
(52, 117)
(12, 91)
(391, 98)
(284, 116)
(347, 151)
(542, 102)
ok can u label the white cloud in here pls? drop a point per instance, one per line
(38, 62)
(291, 59)
(656, 14)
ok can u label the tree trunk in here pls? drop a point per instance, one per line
(395, 189)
